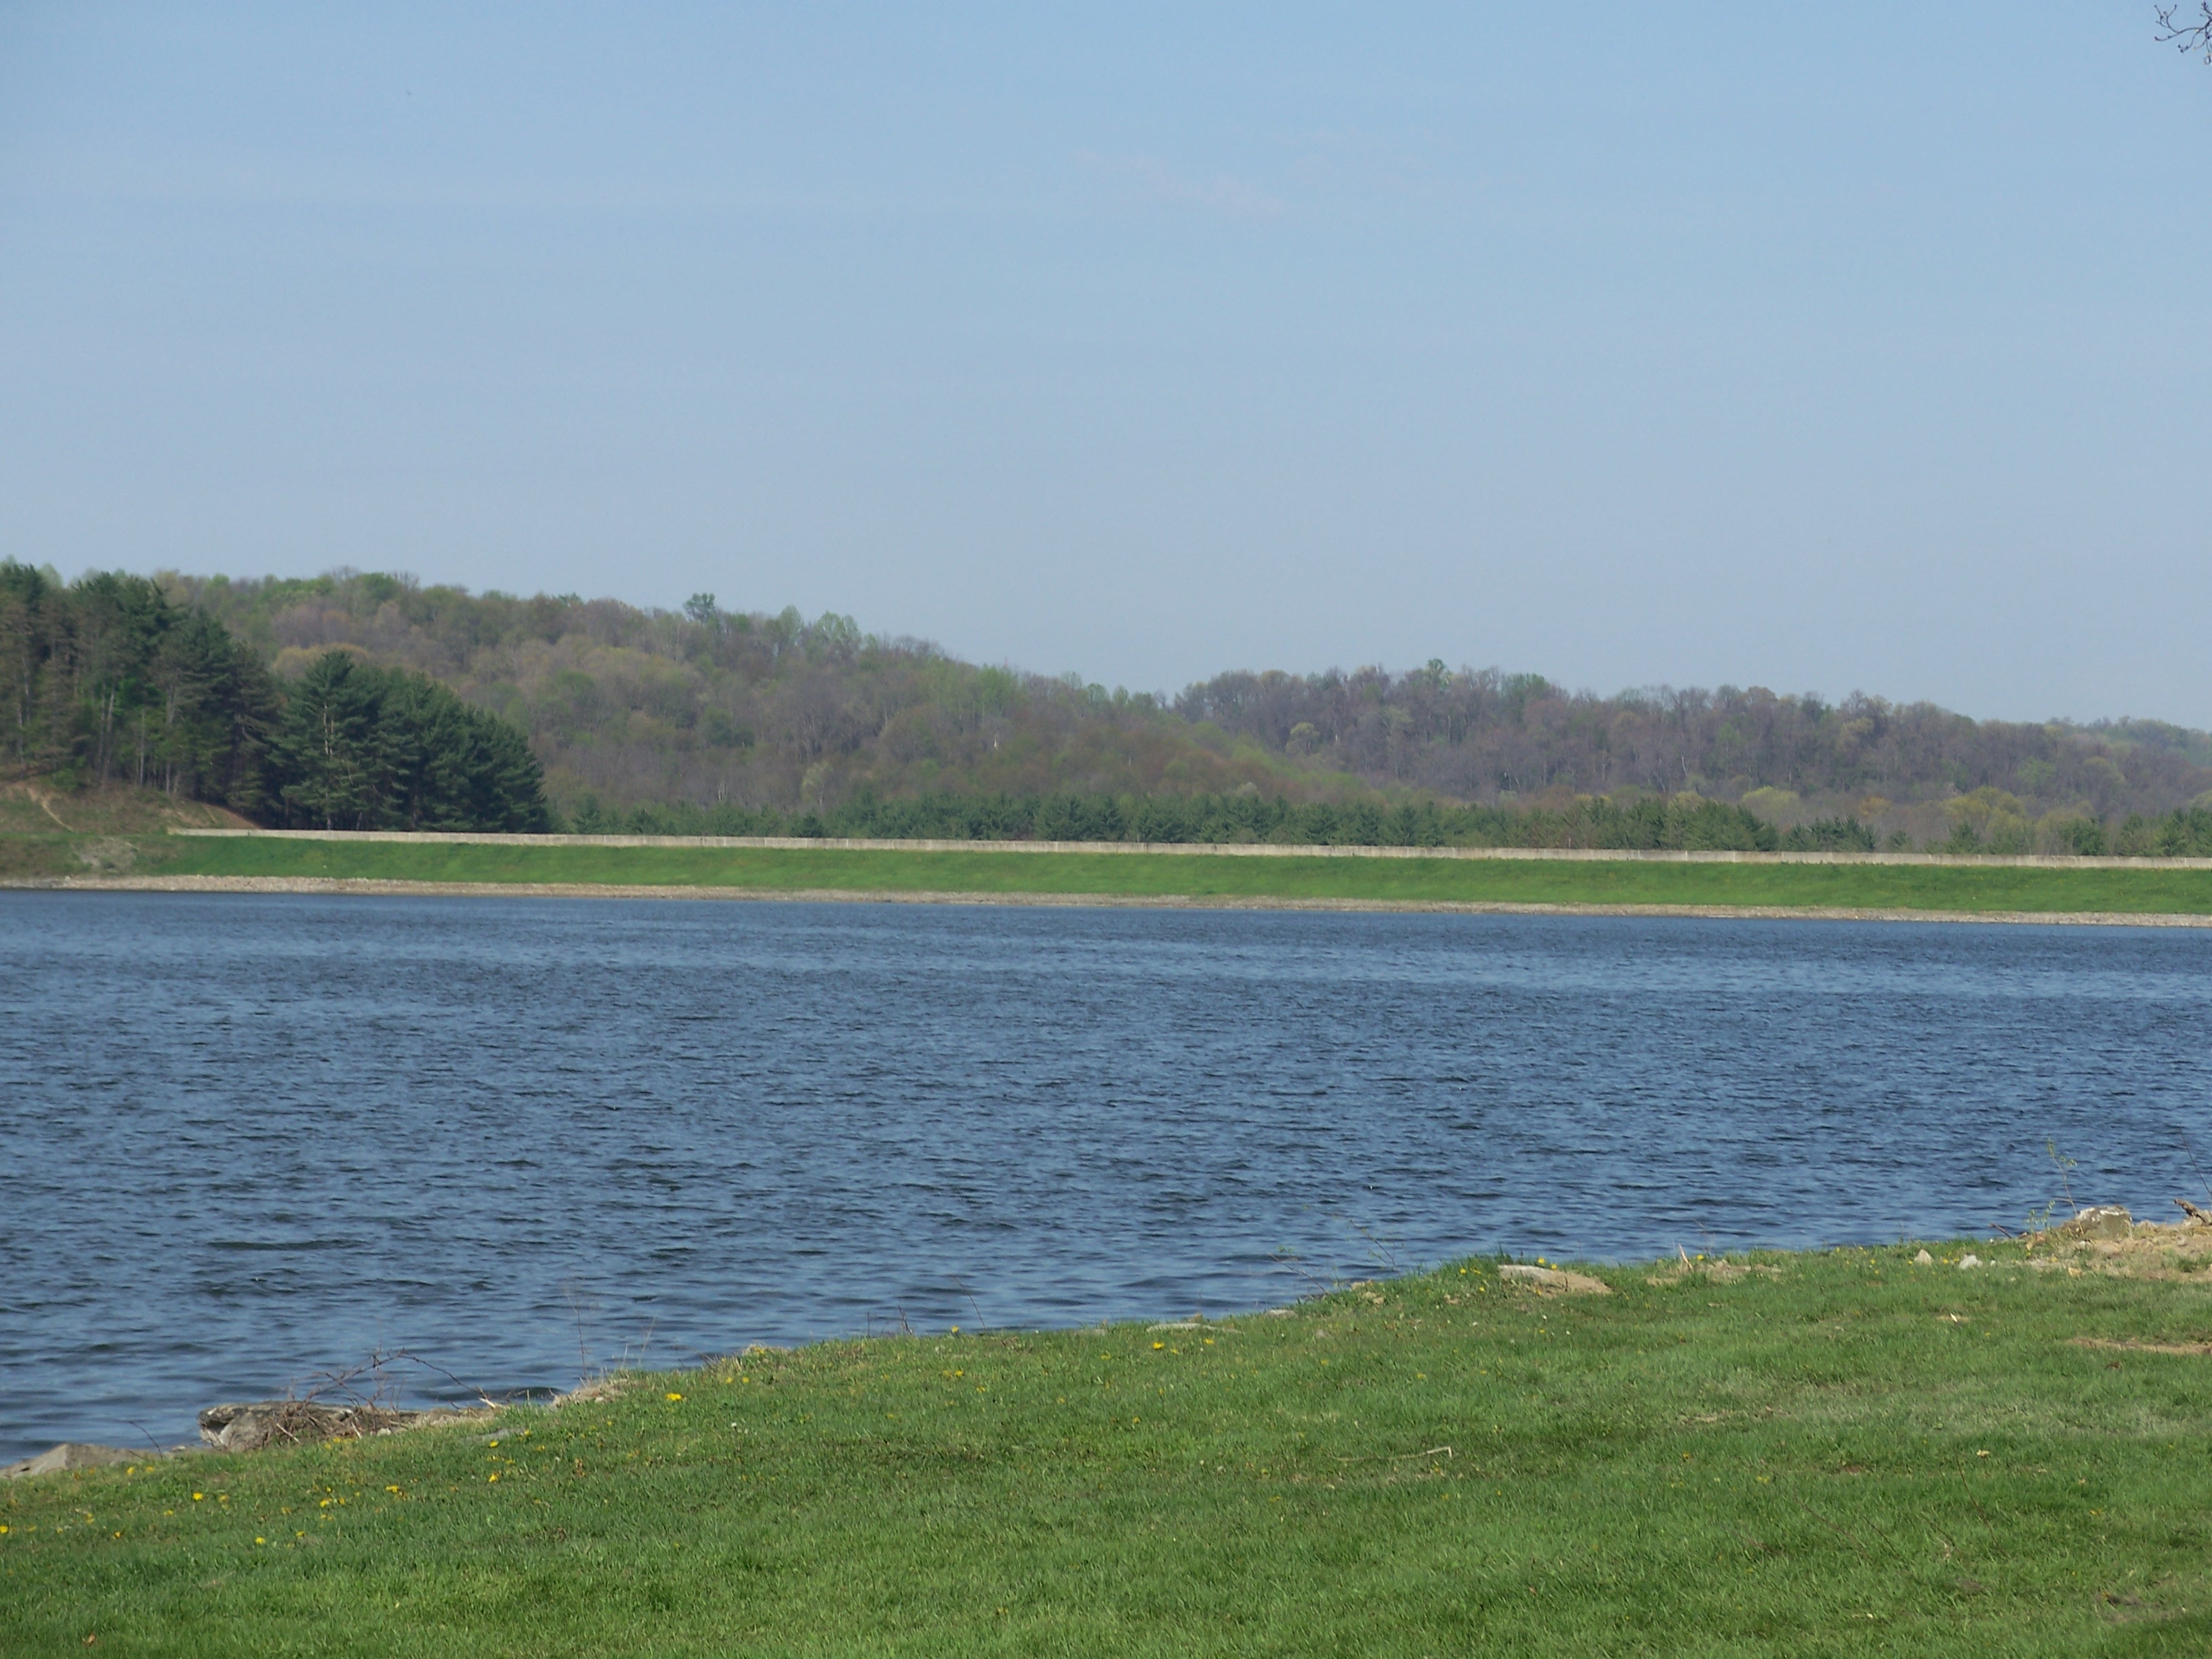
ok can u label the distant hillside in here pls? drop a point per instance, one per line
(1912, 768)
(708, 711)
(627, 707)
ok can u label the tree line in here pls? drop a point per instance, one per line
(1480, 734)
(751, 722)
(1683, 823)
(109, 679)
(638, 707)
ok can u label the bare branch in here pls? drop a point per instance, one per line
(2184, 34)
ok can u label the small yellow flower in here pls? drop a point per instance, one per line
(493, 1478)
(1159, 1344)
(197, 1496)
(676, 1396)
(391, 1489)
(261, 1540)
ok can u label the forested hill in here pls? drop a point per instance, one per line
(708, 718)
(112, 680)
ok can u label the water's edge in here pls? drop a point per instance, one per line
(380, 887)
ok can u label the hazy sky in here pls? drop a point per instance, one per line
(1811, 347)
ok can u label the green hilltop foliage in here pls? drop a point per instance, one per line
(709, 721)
(110, 681)
(632, 709)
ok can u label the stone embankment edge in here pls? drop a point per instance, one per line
(371, 887)
(1210, 849)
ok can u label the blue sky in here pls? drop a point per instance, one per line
(1818, 347)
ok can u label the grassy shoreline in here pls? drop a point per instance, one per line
(1962, 889)
(1831, 1453)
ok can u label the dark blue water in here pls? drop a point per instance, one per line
(247, 1138)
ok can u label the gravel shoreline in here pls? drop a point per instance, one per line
(377, 887)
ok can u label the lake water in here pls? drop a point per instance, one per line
(246, 1138)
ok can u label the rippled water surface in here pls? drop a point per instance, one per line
(247, 1138)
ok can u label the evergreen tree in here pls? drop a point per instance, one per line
(369, 748)
(109, 680)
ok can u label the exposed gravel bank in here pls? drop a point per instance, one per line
(371, 886)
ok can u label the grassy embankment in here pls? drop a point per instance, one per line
(1943, 888)
(1846, 1454)
(120, 831)
(111, 830)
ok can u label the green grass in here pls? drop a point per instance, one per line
(1200, 876)
(1852, 1455)
(1958, 889)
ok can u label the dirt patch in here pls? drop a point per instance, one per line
(1554, 1281)
(1722, 1272)
(2148, 1249)
(305, 1422)
(599, 1390)
(71, 1455)
(2108, 1344)
(107, 854)
(36, 807)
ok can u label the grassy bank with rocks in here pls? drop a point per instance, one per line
(1839, 1452)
